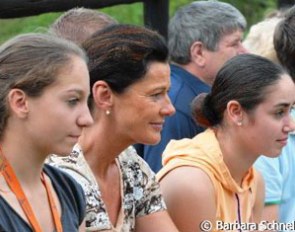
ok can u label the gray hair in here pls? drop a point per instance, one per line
(31, 62)
(78, 24)
(204, 21)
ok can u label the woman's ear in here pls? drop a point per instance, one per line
(18, 102)
(197, 53)
(235, 112)
(102, 95)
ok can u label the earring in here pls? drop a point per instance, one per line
(108, 112)
(239, 123)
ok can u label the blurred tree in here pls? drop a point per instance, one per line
(254, 11)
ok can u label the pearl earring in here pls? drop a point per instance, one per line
(108, 112)
(239, 123)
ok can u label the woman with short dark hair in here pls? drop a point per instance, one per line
(129, 78)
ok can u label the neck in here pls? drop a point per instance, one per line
(24, 162)
(237, 159)
(198, 72)
(101, 152)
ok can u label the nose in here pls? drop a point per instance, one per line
(290, 125)
(167, 108)
(85, 119)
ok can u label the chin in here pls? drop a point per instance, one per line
(152, 141)
(273, 154)
(64, 151)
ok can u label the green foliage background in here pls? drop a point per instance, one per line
(254, 10)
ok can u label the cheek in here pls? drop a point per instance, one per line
(231, 53)
(268, 127)
(60, 119)
(142, 108)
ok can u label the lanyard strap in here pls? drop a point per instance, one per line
(52, 204)
(16, 188)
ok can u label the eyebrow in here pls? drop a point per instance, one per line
(236, 39)
(283, 104)
(79, 91)
(161, 88)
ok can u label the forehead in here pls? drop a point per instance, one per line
(75, 72)
(155, 68)
(232, 36)
(156, 72)
(282, 91)
(156, 77)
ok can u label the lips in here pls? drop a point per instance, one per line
(74, 136)
(158, 125)
(283, 141)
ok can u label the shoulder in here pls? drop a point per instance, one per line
(140, 184)
(192, 200)
(69, 192)
(135, 170)
(184, 176)
(71, 160)
(63, 181)
(76, 166)
(183, 90)
(193, 185)
(130, 161)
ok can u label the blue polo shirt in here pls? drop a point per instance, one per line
(184, 88)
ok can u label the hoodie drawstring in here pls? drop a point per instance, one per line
(239, 211)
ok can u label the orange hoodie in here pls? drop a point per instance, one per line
(234, 203)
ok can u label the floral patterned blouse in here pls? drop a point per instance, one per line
(139, 190)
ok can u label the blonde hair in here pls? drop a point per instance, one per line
(259, 40)
(78, 24)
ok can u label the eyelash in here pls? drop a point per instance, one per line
(156, 95)
(161, 94)
(281, 113)
(73, 101)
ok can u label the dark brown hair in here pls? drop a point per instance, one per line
(120, 54)
(244, 78)
(31, 62)
(284, 41)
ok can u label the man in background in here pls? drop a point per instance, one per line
(78, 24)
